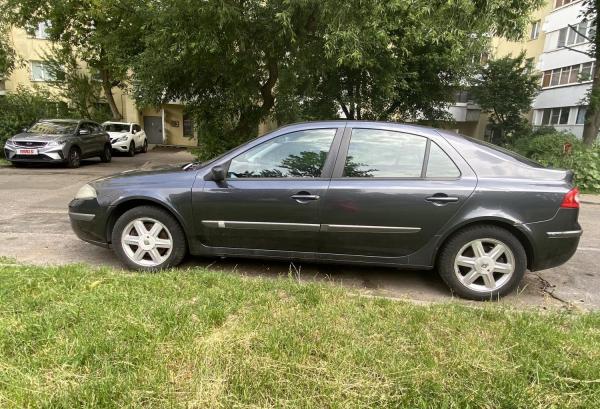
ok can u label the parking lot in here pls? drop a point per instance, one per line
(34, 228)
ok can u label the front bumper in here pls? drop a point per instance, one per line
(46, 154)
(121, 146)
(88, 221)
(554, 241)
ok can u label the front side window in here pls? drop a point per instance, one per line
(378, 153)
(299, 154)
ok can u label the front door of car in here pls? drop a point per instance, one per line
(88, 143)
(391, 192)
(272, 194)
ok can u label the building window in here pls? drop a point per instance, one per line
(40, 72)
(39, 31)
(535, 30)
(560, 3)
(555, 116)
(578, 34)
(581, 115)
(188, 126)
(568, 75)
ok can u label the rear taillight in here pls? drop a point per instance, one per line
(571, 200)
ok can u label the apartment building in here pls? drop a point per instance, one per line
(167, 124)
(566, 68)
(468, 117)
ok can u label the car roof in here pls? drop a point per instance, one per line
(118, 123)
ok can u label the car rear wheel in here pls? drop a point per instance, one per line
(106, 155)
(131, 151)
(148, 238)
(482, 262)
(74, 158)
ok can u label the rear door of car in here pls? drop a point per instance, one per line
(391, 192)
(271, 198)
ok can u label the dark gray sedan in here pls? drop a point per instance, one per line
(346, 192)
(64, 141)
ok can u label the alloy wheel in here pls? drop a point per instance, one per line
(147, 242)
(484, 265)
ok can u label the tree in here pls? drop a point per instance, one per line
(505, 89)
(8, 58)
(238, 63)
(75, 84)
(104, 34)
(591, 126)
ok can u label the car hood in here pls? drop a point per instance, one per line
(148, 174)
(26, 136)
(117, 134)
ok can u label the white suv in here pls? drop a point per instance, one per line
(126, 137)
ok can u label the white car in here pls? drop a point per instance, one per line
(127, 137)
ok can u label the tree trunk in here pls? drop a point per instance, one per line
(592, 114)
(107, 88)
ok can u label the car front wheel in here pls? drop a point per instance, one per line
(482, 262)
(131, 151)
(148, 238)
(106, 155)
(74, 158)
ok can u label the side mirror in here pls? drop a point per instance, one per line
(24, 130)
(133, 131)
(84, 132)
(218, 173)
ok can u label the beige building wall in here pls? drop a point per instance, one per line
(28, 49)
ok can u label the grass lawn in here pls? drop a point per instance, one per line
(81, 337)
(4, 162)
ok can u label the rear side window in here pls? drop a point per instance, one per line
(439, 164)
(379, 153)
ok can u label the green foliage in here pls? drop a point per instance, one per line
(22, 108)
(238, 64)
(75, 84)
(8, 57)
(505, 89)
(547, 147)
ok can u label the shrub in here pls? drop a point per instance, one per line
(22, 108)
(547, 146)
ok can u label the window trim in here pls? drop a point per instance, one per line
(325, 172)
(338, 172)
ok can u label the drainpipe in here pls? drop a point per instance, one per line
(162, 115)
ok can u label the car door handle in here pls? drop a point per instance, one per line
(305, 198)
(442, 199)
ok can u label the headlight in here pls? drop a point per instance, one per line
(86, 192)
(121, 139)
(56, 143)
(10, 142)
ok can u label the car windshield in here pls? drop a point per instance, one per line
(53, 128)
(116, 127)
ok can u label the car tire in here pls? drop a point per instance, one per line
(74, 158)
(131, 151)
(145, 147)
(482, 262)
(106, 155)
(158, 230)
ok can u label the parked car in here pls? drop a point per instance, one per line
(126, 137)
(368, 193)
(59, 141)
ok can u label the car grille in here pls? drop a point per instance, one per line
(30, 144)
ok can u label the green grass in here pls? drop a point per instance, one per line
(82, 337)
(4, 162)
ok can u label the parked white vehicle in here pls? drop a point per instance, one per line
(127, 137)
